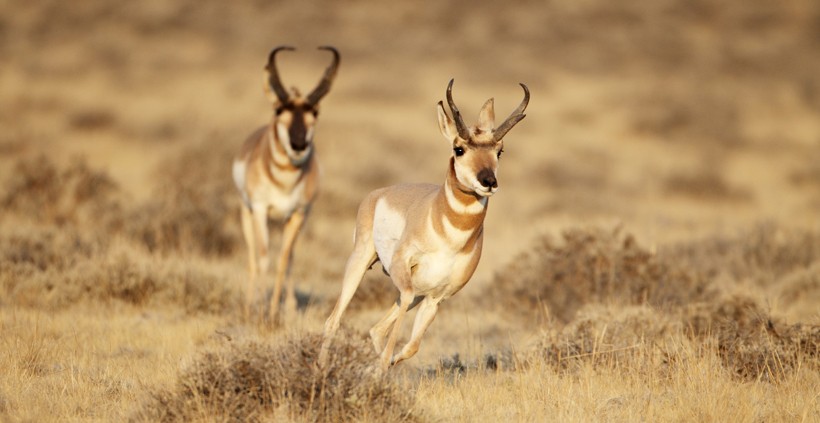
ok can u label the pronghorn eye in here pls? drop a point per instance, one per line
(315, 113)
(459, 151)
(279, 110)
(499, 153)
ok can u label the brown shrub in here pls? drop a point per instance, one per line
(750, 342)
(598, 272)
(589, 266)
(704, 185)
(680, 111)
(610, 337)
(195, 208)
(252, 381)
(55, 269)
(38, 190)
(762, 254)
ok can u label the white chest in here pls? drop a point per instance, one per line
(282, 202)
(440, 274)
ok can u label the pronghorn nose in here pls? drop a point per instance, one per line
(487, 178)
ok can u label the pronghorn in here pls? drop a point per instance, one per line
(427, 237)
(277, 175)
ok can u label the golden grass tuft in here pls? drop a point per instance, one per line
(254, 381)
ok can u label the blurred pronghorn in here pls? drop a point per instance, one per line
(428, 237)
(277, 175)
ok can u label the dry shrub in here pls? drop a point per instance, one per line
(599, 272)
(589, 265)
(750, 342)
(681, 112)
(604, 336)
(195, 208)
(37, 189)
(56, 269)
(763, 254)
(704, 185)
(252, 381)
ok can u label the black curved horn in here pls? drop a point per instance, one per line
(273, 74)
(514, 117)
(330, 73)
(460, 126)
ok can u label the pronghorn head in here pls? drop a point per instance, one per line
(295, 116)
(476, 149)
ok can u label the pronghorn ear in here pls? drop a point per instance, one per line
(486, 118)
(445, 124)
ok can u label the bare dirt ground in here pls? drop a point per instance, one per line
(653, 252)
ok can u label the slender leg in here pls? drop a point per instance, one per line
(379, 332)
(247, 231)
(405, 300)
(425, 316)
(291, 232)
(363, 256)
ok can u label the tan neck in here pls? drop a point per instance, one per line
(458, 214)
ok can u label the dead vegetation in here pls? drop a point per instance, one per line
(65, 241)
(608, 301)
(39, 190)
(253, 381)
(590, 266)
(197, 212)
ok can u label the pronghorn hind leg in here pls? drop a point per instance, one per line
(379, 331)
(405, 300)
(291, 232)
(248, 233)
(363, 256)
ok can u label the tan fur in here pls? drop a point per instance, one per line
(428, 238)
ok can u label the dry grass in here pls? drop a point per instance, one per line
(688, 123)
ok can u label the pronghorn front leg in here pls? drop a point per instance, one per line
(248, 232)
(291, 232)
(425, 315)
(259, 241)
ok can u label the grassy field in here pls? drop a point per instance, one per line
(653, 253)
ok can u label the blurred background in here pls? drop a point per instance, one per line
(673, 120)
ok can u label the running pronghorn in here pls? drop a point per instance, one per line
(277, 175)
(428, 237)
